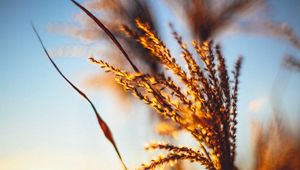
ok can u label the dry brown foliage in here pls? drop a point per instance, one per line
(207, 18)
(291, 62)
(202, 102)
(276, 147)
(114, 15)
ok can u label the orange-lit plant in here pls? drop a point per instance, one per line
(202, 102)
(276, 146)
(205, 19)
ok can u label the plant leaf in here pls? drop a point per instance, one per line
(106, 30)
(104, 127)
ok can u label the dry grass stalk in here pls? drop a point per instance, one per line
(207, 18)
(276, 147)
(291, 62)
(117, 13)
(102, 124)
(203, 103)
(194, 109)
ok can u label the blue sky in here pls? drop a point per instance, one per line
(44, 124)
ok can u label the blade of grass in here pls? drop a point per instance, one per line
(106, 30)
(104, 127)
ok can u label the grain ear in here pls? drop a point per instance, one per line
(199, 102)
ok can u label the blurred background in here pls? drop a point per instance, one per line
(44, 124)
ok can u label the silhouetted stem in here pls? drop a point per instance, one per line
(104, 127)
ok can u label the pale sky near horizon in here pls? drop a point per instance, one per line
(45, 125)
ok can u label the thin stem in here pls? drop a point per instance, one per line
(104, 127)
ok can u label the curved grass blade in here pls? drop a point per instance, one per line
(106, 30)
(104, 127)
